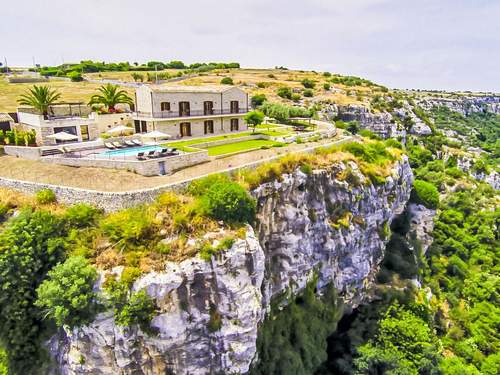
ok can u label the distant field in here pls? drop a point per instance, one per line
(269, 81)
(71, 92)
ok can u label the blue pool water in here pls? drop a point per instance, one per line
(131, 151)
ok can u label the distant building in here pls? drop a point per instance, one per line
(190, 111)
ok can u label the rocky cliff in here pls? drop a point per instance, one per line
(209, 312)
(465, 105)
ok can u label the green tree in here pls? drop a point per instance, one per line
(228, 201)
(30, 245)
(227, 81)
(257, 100)
(425, 193)
(285, 92)
(254, 118)
(110, 95)
(67, 294)
(40, 97)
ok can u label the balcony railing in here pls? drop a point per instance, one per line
(172, 114)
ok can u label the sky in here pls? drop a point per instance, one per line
(426, 44)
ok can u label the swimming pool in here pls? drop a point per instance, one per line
(131, 151)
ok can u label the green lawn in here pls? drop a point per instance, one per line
(192, 142)
(240, 146)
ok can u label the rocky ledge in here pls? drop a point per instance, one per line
(209, 312)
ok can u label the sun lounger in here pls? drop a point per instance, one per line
(117, 144)
(140, 156)
(129, 143)
(136, 142)
(109, 145)
(150, 154)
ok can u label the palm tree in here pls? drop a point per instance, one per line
(110, 96)
(40, 97)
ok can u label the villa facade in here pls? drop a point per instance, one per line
(190, 111)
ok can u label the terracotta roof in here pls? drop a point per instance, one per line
(183, 88)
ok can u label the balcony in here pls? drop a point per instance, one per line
(199, 113)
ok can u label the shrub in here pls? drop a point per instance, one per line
(82, 215)
(368, 134)
(327, 74)
(425, 193)
(130, 225)
(308, 93)
(352, 127)
(258, 100)
(228, 201)
(45, 196)
(307, 83)
(139, 309)
(67, 294)
(326, 86)
(296, 97)
(201, 186)
(75, 76)
(227, 81)
(285, 92)
(129, 275)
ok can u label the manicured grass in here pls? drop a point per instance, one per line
(268, 126)
(240, 146)
(192, 142)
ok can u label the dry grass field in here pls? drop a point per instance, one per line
(254, 81)
(71, 92)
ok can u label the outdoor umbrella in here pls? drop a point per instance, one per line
(63, 136)
(155, 134)
(120, 129)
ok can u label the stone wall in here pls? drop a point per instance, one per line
(31, 153)
(150, 167)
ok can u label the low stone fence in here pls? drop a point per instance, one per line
(150, 167)
(32, 153)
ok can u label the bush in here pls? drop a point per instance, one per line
(257, 100)
(75, 76)
(308, 93)
(131, 225)
(307, 83)
(81, 215)
(45, 196)
(425, 193)
(228, 201)
(67, 294)
(129, 275)
(139, 309)
(327, 74)
(369, 134)
(352, 127)
(200, 186)
(326, 86)
(285, 92)
(227, 81)
(296, 97)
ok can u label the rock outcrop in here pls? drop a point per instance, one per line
(209, 312)
(465, 105)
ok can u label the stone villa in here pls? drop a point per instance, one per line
(180, 111)
(184, 111)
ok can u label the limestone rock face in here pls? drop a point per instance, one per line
(209, 312)
(464, 105)
(381, 123)
(421, 224)
(318, 224)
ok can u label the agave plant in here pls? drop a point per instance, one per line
(109, 96)
(40, 97)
